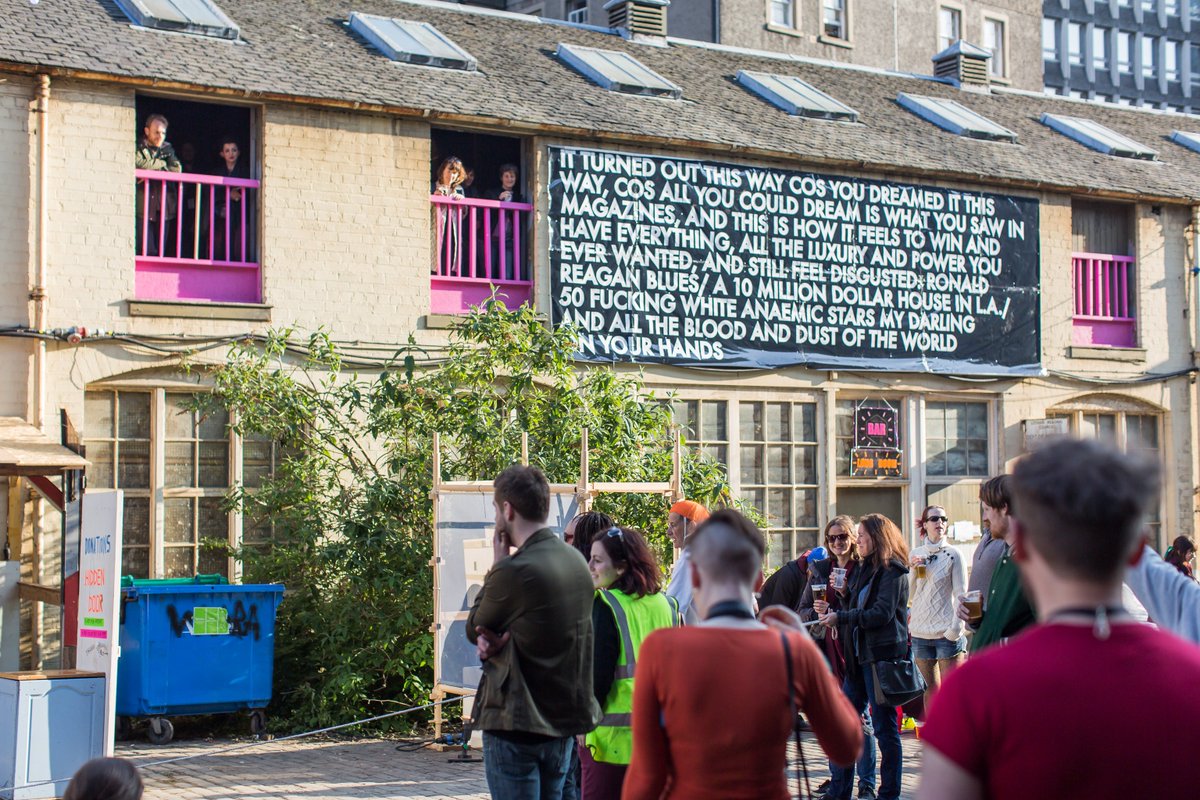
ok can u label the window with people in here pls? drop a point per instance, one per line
(196, 199)
(480, 216)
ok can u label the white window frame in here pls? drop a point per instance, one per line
(1050, 29)
(1075, 47)
(998, 63)
(956, 13)
(1100, 60)
(844, 10)
(578, 15)
(791, 9)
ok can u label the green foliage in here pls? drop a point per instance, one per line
(349, 503)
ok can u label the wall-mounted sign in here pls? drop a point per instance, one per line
(875, 463)
(1040, 431)
(676, 261)
(876, 427)
(99, 590)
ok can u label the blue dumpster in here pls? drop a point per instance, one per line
(195, 647)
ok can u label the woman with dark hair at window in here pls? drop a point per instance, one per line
(1180, 555)
(628, 607)
(873, 626)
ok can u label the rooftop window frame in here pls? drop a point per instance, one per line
(374, 29)
(1187, 139)
(1093, 135)
(783, 92)
(953, 117)
(581, 59)
(144, 14)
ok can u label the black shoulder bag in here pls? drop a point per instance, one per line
(795, 713)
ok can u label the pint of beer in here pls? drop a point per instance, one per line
(819, 592)
(973, 600)
(920, 567)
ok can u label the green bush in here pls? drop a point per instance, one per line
(349, 505)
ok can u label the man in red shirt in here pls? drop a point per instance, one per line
(1031, 719)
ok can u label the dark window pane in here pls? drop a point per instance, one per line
(214, 424)
(180, 464)
(779, 508)
(135, 524)
(713, 426)
(805, 460)
(256, 463)
(778, 422)
(778, 464)
(133, 465)
(133, 415)
(806, 507)
(135, 561)
(214, 464)
(213, 562)
(752, 464)
(804, 416)
(180, 422)
(751, 415)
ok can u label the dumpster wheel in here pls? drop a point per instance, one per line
(258, 722)
(160, 731)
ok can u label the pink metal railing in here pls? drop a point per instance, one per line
(1104, 299)
(477, 250)
(196, 237)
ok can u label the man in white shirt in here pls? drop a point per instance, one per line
(684, 517)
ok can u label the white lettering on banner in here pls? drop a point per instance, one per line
(676, 260)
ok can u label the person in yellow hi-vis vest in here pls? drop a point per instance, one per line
(628, 606)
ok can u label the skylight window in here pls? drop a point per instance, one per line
(200, 17)
(796, 97)
(411, 42)
(1099, 138)
(1189, 140)
(617, 72)
(952, 116)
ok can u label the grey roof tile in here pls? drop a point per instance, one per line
(303, 49)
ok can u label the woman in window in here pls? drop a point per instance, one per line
(228, 202)
(873, 626)
(938, 577)
(447, 226)
(628, 607)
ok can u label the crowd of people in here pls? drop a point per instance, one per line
(220, 209)
(600, 683)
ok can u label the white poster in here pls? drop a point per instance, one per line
(99, 595)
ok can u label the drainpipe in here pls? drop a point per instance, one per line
(1194, 332)
(38, 291)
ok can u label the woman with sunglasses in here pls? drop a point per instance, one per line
(843, 550)
(628, 607)
(937, 578)
(873, 627)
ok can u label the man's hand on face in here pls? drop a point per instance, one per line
(489, 642)
(501, 546)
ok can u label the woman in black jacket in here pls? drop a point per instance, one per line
(873, 623)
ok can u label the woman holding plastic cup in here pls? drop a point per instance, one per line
(826, 591)
(937, 578)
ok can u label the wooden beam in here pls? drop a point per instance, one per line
(51, 595)
(632, 487)
(48, 490)
(16, 519)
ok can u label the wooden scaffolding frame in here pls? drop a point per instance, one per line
(585, 491)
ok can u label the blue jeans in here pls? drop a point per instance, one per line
(860, 691)
(573, 783)
(526, 771)
(938, 648)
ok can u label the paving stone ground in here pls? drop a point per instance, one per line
(325, 769)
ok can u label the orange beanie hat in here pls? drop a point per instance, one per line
(690, 509)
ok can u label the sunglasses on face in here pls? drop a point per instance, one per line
(839, 537)
(937, 519)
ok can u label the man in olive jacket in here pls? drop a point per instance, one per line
(532, 624)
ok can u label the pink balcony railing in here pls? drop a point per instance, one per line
(479, 247)
(1104, 300)
(196, 238)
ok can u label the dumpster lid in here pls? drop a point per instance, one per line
(213, 579)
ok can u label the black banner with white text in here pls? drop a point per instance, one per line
(695, 263)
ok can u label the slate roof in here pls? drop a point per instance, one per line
(302, 49)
